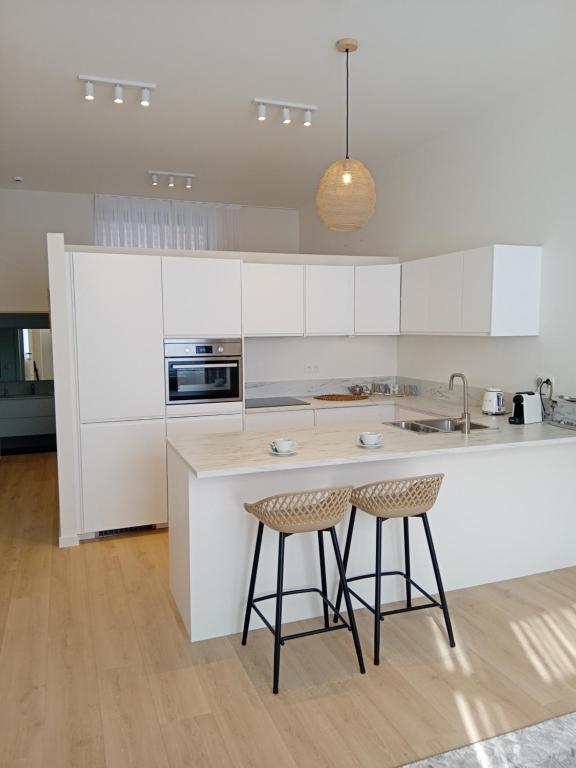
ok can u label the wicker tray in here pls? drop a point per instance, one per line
(341, 398)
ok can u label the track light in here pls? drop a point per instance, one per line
(307, 118)
(170, 181)
(118, 94)
(145, 97)
(261, 112)
(89, 90)
(186, 176)
(154, 180)
(286, 119)
(188, 182)
(286, 108)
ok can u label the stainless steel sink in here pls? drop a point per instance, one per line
(427, 426)
(450, 425)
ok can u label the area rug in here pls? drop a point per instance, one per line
(551, 744)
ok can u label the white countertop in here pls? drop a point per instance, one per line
(240, 453)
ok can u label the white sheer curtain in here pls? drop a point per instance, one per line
(145, 222)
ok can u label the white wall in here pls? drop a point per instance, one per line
(26, 216)
(509, 177)
(335, 357)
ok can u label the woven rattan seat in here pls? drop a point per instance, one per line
(302, 511)
(404, 497)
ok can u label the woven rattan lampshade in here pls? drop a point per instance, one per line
(346, 196)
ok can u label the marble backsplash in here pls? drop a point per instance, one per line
(310, 387)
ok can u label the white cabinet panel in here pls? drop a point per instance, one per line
(477, 291)
(445, 287)
(329, 301)
(202, 297)
(118, 306)
(377, 299)
(415, 296)
(186, 427)
(123, 474)
(256, 422)
(359, 413)
(516, 290)
(273, 299)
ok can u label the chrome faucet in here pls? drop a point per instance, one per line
(466, 412)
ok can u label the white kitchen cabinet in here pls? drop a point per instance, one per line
(256, 422)
(273, 299)
(377, 299)
(119, 337)
(329, 300)
(202, 297)
(490, 291)
(123, 474)
(187, 427)
(359, 413)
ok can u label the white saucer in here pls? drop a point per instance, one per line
(282, 453)
(370, 447)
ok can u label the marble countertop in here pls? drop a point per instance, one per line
(240, 453)
(310, 403)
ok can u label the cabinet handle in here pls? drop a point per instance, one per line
(208, 365)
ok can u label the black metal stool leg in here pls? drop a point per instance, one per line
(278, 622)
(347, 548)
(323, 576)
(407, 563)
(438, 580)
(347, 600)
(252, 582)
(377, 590)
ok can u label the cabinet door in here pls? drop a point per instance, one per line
(445, 285)
(262, 422)
(516, 290)
(477, 290)
(202, 297)
(377, 299)
(273, 299)
(118, 306)
(186, 427)
(329, 301)
(123, 474)
(358, 413)
(415, 296)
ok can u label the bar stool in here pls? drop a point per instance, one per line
(405, 498)
(301, 512)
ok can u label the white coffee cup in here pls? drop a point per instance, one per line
(370, 438)
(283, 444)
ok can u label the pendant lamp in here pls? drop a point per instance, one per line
(346, 194)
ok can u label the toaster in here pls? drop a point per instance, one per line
(527, 408)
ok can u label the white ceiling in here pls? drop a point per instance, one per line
(423, 66)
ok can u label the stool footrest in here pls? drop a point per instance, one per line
(432, 604)
(343, 625)
(396, 573)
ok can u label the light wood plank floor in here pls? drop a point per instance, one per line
(96, 670)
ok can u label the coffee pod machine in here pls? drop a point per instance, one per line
(527, 408)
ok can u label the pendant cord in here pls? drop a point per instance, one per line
(347, 104)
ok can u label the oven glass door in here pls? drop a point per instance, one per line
(202, 380)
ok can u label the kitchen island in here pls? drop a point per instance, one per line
(500, 513)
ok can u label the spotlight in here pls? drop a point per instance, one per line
(261, 112)
(154, 180)
(170, 181)
(118, 94)
(307, 118)
(286, 119)
(145, 97)
(188, 182)
(89, 90)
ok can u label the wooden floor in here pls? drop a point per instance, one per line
(96, 670)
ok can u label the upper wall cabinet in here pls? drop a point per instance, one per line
(118, 300)
(202, 297)
(377, 299)
(329, 301)
(491, 291)
(273, 299)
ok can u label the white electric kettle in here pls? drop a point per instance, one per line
(493, 403)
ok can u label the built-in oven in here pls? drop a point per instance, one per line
(203, 370)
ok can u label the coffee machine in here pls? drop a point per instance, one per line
(527, 408)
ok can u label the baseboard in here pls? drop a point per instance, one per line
(68, 541)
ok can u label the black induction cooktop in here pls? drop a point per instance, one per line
(273, 402)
